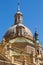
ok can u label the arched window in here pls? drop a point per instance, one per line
(20, 31)
(38, 52)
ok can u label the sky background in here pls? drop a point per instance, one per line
(32, 15)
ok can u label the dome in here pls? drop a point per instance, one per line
(13, 30)
(18, 29)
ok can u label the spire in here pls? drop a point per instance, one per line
(18, 15)
(18, 7)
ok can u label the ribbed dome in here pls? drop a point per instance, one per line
(13, 30)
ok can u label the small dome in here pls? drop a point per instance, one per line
(19, 12)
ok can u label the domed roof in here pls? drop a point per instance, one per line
(13, 30)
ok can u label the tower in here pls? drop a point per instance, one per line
(37, 43)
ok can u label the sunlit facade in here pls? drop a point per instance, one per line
(19, 46)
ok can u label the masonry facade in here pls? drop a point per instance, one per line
(19, 46)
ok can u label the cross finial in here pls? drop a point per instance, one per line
(18, 6)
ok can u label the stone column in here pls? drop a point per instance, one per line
(10, 50)
(12, 59)
(25, 61)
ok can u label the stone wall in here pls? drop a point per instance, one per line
(5, 63)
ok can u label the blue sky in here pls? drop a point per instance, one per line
(32, 11)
